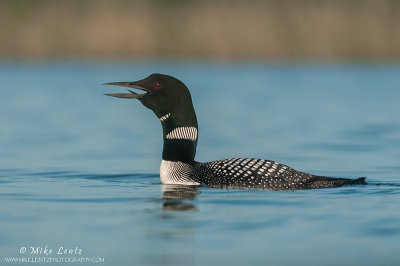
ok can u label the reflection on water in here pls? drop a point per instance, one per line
(176, 195)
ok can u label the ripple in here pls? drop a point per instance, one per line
(372, 131)
(106, 177)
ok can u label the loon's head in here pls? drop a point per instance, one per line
(164, 95)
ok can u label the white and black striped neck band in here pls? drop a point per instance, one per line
(165, 117)
(189, 133)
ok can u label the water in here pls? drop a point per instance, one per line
(80, 170)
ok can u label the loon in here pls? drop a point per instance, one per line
(171, 102)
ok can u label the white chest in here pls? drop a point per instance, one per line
(176, 173)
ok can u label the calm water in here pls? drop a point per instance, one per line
(79, 170)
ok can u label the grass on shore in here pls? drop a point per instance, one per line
(288, 29)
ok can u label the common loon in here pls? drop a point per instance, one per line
(171, 102)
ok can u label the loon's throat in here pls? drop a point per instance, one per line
(180, 141)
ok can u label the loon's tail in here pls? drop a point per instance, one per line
(358, 181)
(326, 182)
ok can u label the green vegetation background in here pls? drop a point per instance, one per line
(200, 29)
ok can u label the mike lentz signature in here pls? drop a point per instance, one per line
(45, 250)
(46, 254)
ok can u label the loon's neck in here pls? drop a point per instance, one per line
(180, 139)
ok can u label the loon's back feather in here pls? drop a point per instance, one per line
(264, 174)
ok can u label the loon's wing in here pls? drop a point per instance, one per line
(258, 173)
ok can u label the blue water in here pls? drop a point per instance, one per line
(80, 170)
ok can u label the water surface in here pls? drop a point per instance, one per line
(79, 169)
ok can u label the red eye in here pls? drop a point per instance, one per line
(158, 85)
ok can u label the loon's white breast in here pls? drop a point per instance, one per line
(173, 173)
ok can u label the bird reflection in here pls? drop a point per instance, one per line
(176, 195)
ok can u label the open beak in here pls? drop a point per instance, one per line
(131, 94)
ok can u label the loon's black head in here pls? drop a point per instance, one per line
(164, 95)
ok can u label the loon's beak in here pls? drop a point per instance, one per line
(131, 94)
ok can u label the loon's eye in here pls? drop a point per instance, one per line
(158, 85)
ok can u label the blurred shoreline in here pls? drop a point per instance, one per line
(313, 30)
